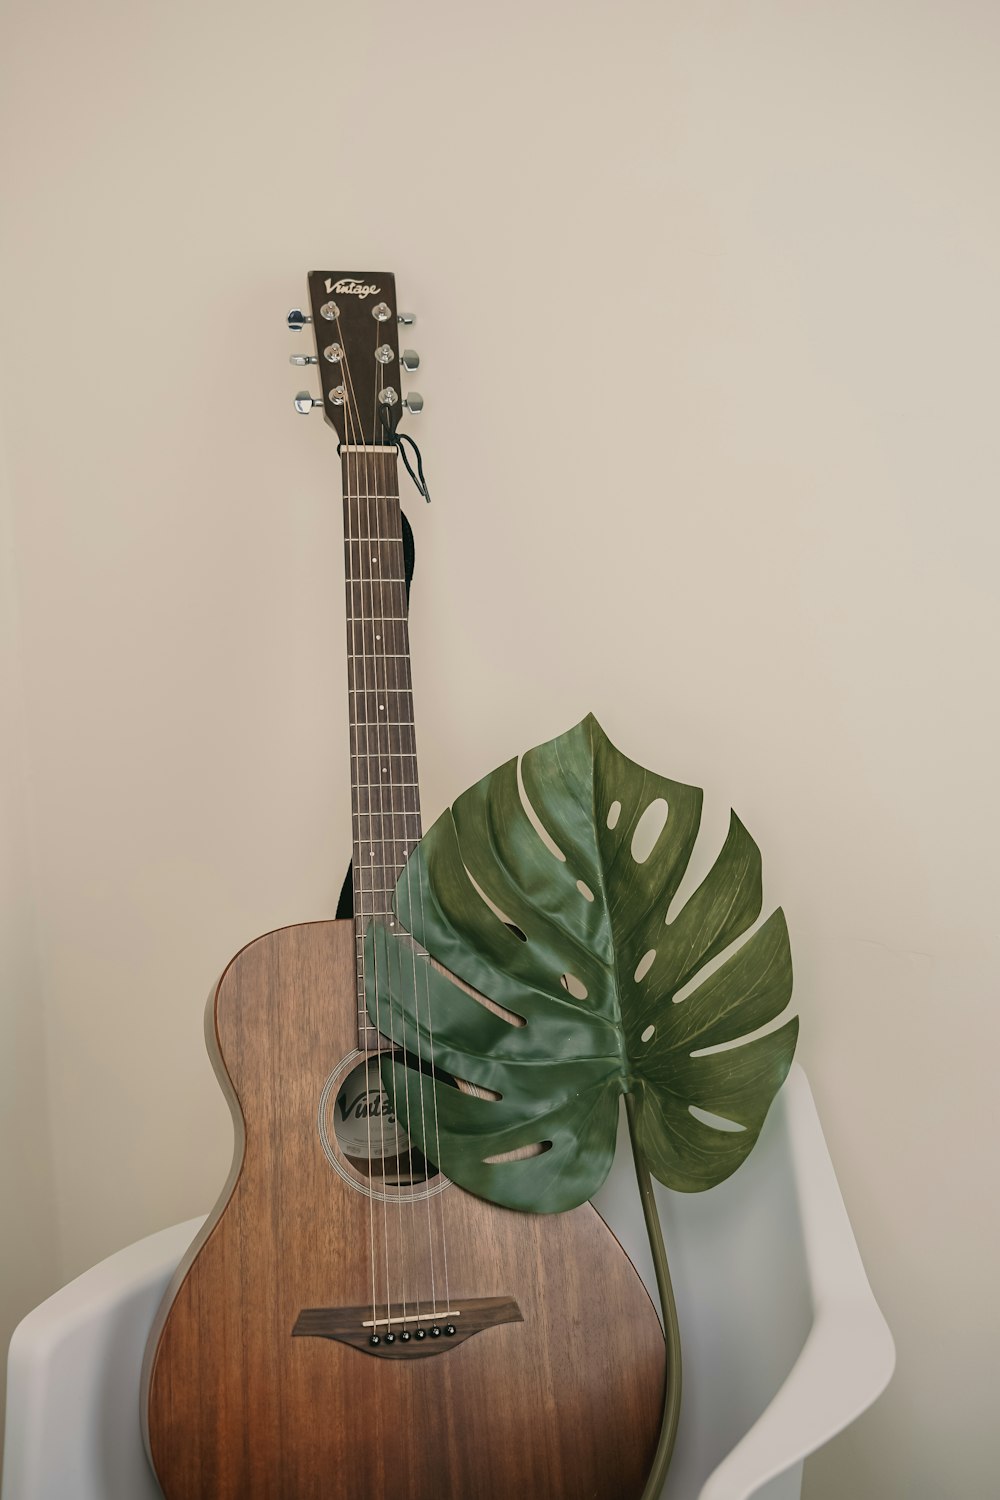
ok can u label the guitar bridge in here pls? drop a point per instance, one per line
(397, 1332)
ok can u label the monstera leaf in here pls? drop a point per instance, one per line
(595, 974)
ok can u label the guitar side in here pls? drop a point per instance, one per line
(564, 1403)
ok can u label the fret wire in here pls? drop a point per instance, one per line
(404, 837)
(398, 784)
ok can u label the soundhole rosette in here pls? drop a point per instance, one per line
(352, 1102)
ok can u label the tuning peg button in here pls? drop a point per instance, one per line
(304, 402)
(414, 402)
(410, 359)
(297, 319)
(407, 319)
(302, 359)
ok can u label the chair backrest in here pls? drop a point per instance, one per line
(742, 1286)
(754, 1262)
(73, 1380)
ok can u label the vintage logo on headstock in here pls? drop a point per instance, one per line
(351, 287)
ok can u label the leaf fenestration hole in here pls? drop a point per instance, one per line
(648, 829)
(713, 829)
(614, 813)
(644, 965)
(576, 987)
(520, 1154)
(585, 890)
(512, 926)
(535, 820)
(706, 970)
(478, 1090)
(510, 1016)
(715, 1122)
(647, 1035)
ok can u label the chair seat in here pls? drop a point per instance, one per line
(784, 1344)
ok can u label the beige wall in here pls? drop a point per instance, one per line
(29, 1241)
(709, 317)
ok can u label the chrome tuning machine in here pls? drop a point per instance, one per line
(304, 402)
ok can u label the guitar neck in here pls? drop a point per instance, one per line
(385, 795)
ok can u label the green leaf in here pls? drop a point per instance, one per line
(562, 957)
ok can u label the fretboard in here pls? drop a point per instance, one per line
(384, 792)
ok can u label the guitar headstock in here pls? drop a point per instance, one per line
(356, 326)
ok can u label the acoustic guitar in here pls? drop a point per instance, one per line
(349, 1323)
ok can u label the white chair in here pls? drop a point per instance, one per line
(784, 1344)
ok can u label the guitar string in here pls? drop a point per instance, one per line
(375, 539)
(422, 1090)
(405, 755)
(401, 627)
(359, 925)
(414, 813)
(425, 971)
(382, 486)
(363, 458)
(399, 587)
(421, 966)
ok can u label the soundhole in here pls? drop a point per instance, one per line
(363, 1138)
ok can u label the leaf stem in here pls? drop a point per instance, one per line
(671, 1328)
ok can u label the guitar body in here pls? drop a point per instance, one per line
(564, 1405)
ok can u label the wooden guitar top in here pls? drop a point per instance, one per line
(559, 1399)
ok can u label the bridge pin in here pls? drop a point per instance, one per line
(405, 1336)
(390, 1338)
(421, 1333)
(374, 1339)
(435, 1332)
(449, 1329)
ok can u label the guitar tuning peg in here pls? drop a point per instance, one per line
(409, 359)
(304, 402)
(302, 359)
(407, 319)
(297, 319)
(414, 402)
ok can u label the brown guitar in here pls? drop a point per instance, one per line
(348, 1323)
